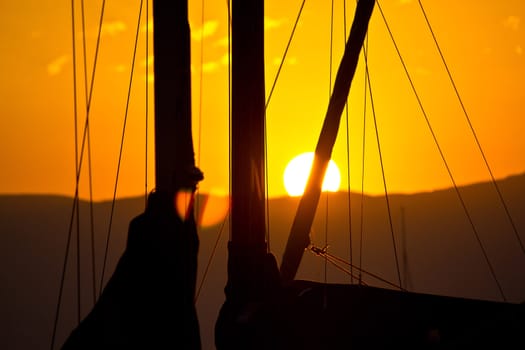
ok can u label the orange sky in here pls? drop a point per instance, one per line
(483, 43)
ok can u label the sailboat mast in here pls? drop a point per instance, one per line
(248, 174)
(174, 156)
(250, 266)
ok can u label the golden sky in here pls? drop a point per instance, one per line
(483, 43)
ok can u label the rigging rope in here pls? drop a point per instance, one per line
(463, 204)
(146, 110)
(199, 131)
(383, 174)
(221, 229)
(90, 174)
(86, 136)
(407, 281)
(121, 149)
(348, 163)
(200, 84)
(212, 255)
(77, 166)
(78, 158)
(270, 94)
(229, 108)
(285, 53)
(77, 185)
(336, 261)
(62, 279)
(329, 96)
(493, 179)
(361, 223)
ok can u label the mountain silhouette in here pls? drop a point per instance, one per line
(436, 244)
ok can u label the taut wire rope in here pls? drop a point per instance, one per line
(337, 262)
(221, 229)
(330, 64)
(212, 255)
(121, 149)
(372, 107)
(228, 5)
(467, 117)
(460, 197)
(90, 176)
(362, 206)
(146, 102)
(270, 94)
(77, 165)
(199, 131)
(78, 158)
(349, 192)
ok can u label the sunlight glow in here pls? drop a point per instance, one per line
(183, 202)
(213, 208)
(298, 169)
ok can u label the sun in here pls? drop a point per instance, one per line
(298, 169)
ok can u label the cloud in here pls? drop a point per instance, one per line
(120, 68)
(212, 66)
(289, 61)
(222, 42)
(270, 23)
(512, 22)
(56, 66)
(423, 71)
(208, 29)
(209, 67)
(113, 28)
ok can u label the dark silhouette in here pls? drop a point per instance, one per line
(148, 303)
(149, 300)
(263, 311)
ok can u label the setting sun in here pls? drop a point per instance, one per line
(298, 169)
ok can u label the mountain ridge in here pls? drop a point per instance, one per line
(430, 231)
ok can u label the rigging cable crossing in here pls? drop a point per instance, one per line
(90, 173)
(78, 159)
(449, 171)
(474, 134)
(321, 252)
(121, 147)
